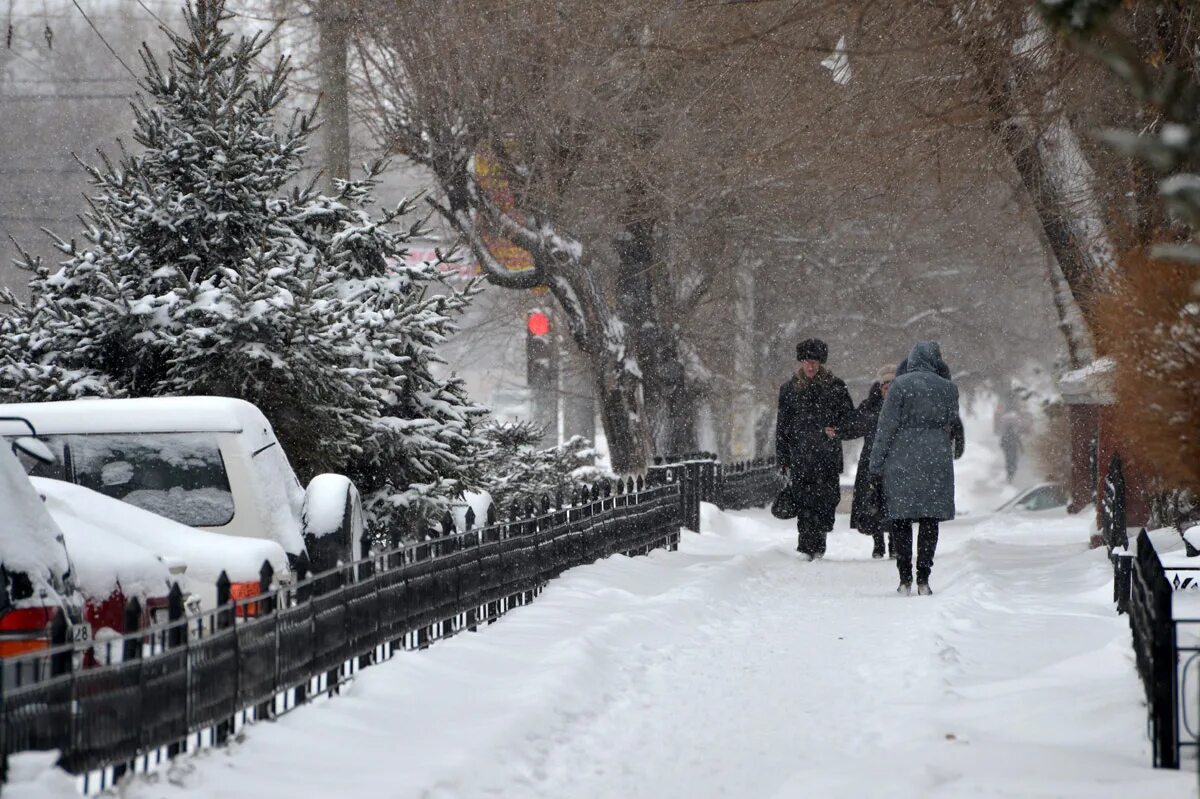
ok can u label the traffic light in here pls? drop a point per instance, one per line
(541, 373)
(541, 363)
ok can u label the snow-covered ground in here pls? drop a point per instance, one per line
(731, 668)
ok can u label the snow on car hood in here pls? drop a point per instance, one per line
(30, 541)
(206, 554)
(105, 562)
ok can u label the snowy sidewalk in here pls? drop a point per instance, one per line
(733, 669)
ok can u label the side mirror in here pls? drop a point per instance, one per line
(332, 520)
(33, 448)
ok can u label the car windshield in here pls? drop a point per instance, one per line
(177, 475)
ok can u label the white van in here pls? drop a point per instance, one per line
(207, 462)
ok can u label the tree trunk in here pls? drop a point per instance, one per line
(1057, 180)
(622, 413)
(671, 402)
(333, 22)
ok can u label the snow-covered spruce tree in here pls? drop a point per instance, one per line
(201, 272)
(422, 445)
(517, 470)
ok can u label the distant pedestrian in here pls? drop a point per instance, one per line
(1008, 424)
(814, 406)
(866, 514)
(915, 444)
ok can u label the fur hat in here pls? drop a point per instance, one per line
(886, 374)
(812, 349)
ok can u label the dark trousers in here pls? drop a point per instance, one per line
(927, 540)
(880, 548)
(810, 543)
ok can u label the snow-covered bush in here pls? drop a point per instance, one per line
(202, 269)
(517, 469)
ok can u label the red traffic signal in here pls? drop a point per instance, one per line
(538, 323)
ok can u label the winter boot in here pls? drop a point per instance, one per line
(905, 589)
(923, 589)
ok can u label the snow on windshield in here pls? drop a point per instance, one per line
(177, 475)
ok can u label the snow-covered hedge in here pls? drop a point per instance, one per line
(517, 469)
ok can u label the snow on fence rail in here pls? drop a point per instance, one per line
(130, 702)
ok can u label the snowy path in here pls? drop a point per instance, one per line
(732, 669)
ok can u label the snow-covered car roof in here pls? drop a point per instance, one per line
(30, 541)
(205, 553)
(144, 415)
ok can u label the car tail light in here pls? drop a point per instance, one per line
(25, 630)
(239, 591)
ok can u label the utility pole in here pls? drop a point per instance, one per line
(333, 28)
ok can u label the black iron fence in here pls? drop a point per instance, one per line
(729, 486)
(134, 700)
(1166, 643)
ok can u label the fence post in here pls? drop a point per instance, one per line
(1165, 657)
(131, 649)
(1123, 582)
(177, 637)
(224, 620)
(691, 479)
(60, 663)
(266, 606)
(344, 577)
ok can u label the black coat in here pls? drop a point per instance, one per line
(813, 460)
(866, 514)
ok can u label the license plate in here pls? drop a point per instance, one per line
(81, 634)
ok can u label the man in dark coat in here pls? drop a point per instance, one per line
(814, 406)
(866, 514)
(914, 451)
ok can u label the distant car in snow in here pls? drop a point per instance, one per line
(1044, 496)
(211, 463)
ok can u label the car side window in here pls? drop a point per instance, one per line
(177, 475)
(54, 471)
(1043, 498)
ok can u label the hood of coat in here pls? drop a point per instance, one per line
(926, 356)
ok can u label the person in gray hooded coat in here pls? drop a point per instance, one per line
(914, 453)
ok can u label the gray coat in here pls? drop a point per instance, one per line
(913, 447)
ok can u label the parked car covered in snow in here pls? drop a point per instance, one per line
(1044, 496)
(196, 557)
(211, 463)
(35, 570)
(106, 570)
